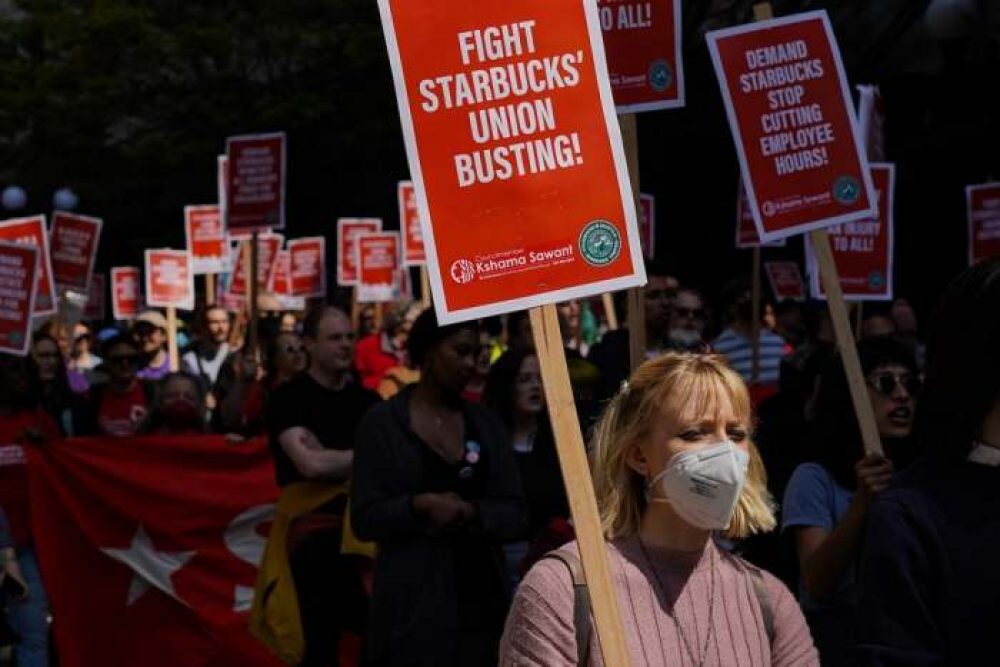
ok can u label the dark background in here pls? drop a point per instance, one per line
(129, 103)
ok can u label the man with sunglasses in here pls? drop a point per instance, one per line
(118, 405)
(687, 321)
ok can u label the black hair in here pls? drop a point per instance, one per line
(838, 436)
(498, 395)
(154, 420)
(962, 381)
(271, 353)
(514, 322)
(310, 325)
(426, 334)
(116, 340)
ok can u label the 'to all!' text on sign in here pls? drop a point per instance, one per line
(508, 117)
(791, 115)
(18, 271)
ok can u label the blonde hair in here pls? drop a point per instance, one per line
(703, 380)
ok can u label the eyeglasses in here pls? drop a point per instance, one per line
(693, 313)
(886, 383)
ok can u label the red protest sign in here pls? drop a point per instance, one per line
(97, 302)
(647, 225)
(862, 250)
(169, 279)
(792, 120)
(73, 243)
(378, 262)
(31, 231)
(307, 266)
(126, 296)
(747, 235)
(642, 40)
(206, 239)
(983, 210)
(281, 284)
(786, 280)
(18, 282)
(268, 246)
(255, 193)
(500, 162)
(409, 223)
(348, 231)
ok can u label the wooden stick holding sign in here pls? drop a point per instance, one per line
(175, 359)
(425, 287)
(636, 303)
(579, 485)
(209, 289)
(608, 300)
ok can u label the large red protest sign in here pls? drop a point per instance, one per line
(268, 246)
(169, 279)
(255, 196)
(126, 292)
(647, 224)
(983, 207)
(18, 281)
(73, 243)
(348, 231)
(862, 250)
(793, 123)
(31, 231)
(378, 261)
(508, 119)
(409, 224)
(206, 239)
(307, 266)
(642, 39)
(97, 300)
(786, 280)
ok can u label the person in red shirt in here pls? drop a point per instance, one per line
(22, 421)
(179, 407)
(379, 352)
(119, 405)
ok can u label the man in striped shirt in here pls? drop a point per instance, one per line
(735, 342)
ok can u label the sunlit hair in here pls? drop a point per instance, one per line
(668, 386)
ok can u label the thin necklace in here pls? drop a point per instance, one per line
(711, 605)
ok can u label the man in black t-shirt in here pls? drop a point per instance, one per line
(312, 421)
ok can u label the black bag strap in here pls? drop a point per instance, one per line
(581, 603)
(764, 598)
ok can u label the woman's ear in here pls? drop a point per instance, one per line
(636, 460)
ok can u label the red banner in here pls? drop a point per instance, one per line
(647, 225)
(792, 119)
(73, 243)
(983, 205)
(149, 548)
(642, 40)
(786, 280)
(126, 295)
(169, 280)
(18, 270)
(206, 238)
(409, 223)
(348, 230)
(862, 250)
(255, 193)
(31, 231)
(378, 261)
(97, 300)
(307, 266)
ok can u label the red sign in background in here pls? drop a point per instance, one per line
(126, 292)
(18, 280)
(255, 196)
(747, 235)
(409, 224)
(348, 231)
(206, 238)
(169, 280)
(786, 280)
(307, 266)
(73, 242)
(268, 246)
(983, 203)
(793, 123)
(378, 261)
(31, 231)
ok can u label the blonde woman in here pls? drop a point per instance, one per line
(673, 463)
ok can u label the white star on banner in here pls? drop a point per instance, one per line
(150, 568)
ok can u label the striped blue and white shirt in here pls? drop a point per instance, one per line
(738, 350)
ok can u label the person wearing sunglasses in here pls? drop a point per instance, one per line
(118, 405)
(687, 320)
(827, 499)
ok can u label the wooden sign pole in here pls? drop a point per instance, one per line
(425, 287)
(209, 289)
(859, 315)
(636, 303)
(609, 310)
(579, 485)
(175, 362)
(755, 317)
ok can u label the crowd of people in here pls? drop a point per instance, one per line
(746, 525)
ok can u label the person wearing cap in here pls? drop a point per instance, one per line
(150, 333)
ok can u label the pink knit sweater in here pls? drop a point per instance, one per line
(540, 629)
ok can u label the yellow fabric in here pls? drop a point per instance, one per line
(274, 618)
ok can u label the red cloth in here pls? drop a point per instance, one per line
(198, 503)
(372, 360)
(14, 468)
(119, 415)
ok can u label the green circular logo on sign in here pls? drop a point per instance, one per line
(660, 75)
(875, 280)
(600, 243)
(846, 190)
(16, 338)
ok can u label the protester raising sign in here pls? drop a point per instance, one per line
(348, 231)
(169, 279)
(307, 266)
(983, 207)
(786, 280)
(206, 239)
(18, 282)
(73, 242)
(378, 262)
(255, 192)
(643, 41)
(791, 115)
(409, 224)
(126, 297)
(862, 250)
(508, 117)
(31, 231)
(647, 225)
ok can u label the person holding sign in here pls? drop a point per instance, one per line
(682, 417)
(436, 487)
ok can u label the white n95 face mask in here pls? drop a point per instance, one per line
(703, 485)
